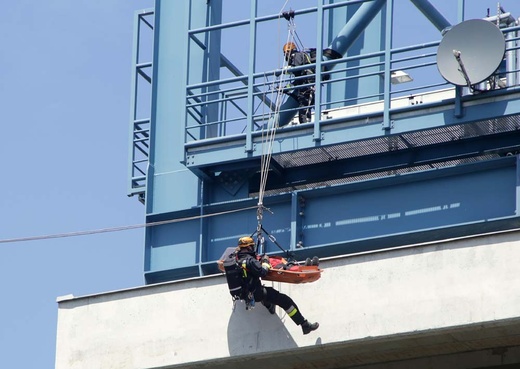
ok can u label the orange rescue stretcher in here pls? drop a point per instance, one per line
(282, 270)
(293, 274)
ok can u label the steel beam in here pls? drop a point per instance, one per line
(433, 15)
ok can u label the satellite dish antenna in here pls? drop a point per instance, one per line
(470, 52)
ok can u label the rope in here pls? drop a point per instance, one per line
(269, 133)
(283, 7)
(117, 229)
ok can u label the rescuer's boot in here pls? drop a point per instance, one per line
(309, 327)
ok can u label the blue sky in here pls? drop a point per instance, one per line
(65, 70)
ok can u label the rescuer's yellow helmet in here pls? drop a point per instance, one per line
(288, 47)
(245, 242)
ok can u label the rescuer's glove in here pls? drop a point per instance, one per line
(265, 262)
(266, 266)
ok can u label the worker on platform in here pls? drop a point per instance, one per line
(253, 271)
(303, 94)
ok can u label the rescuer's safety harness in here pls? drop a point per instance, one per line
(238, 281)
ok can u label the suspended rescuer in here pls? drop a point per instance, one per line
(253, 270)
(303, 94)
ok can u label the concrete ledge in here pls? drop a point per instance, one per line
(441, 298)
(498, 337)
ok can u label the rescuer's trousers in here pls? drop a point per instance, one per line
(268, 296)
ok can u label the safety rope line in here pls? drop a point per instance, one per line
(269, 131)
(122, 228)
(283, 7)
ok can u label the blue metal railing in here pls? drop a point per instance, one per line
(243, 103)
(229, 98)
(140, 126)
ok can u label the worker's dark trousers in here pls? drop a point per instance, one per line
(305, 97)
(268, 296)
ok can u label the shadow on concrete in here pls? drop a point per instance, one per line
(257, 331)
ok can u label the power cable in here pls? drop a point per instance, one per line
(117, 229)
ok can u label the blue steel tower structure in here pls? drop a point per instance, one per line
(379, 165)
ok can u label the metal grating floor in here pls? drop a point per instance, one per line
(389, 144)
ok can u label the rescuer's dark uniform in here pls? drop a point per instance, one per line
(304, 94)
(253, 271)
